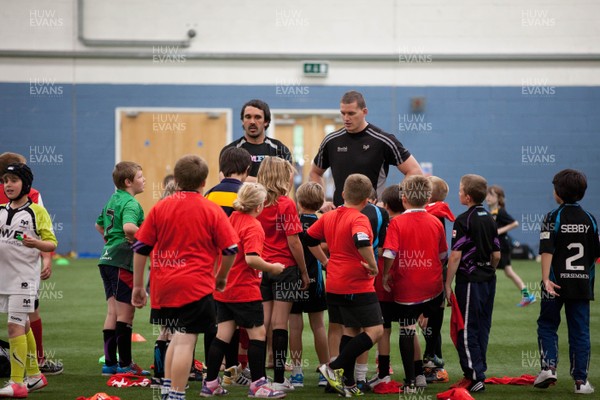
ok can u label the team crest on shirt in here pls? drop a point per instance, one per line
(454, 233)
(366, 147)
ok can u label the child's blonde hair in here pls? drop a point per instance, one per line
(416, 189)
(439, 188)
(310, 196)
(276, 175)
(357, 188)
(249, 197)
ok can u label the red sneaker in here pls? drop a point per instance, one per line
(14, 390)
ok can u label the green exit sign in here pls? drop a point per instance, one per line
(315, 68)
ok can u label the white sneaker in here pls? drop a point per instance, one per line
(545, 378)
(582, 387)
(14, 390)
(420, 381)
(376, 380)
(286, 386)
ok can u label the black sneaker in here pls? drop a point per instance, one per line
(476, 386)
(49, 367)
(155, 383)
(363, 386)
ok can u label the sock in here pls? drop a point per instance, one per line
(31, 366)
(165, 387)
(215, 358)
(407, 351)
(244, 339)
(256, 358)
(160, 351)
(174, 395)
(280, 343)
(344, 342)
(243, 359)
(123, 334)
(36, 328)
(231, 355)
(18, 357)
(418, 367)
(297, 370)
(347, 358)
(209, 336)
(361, 372)
(332, 359)
(384, 366)
(525, 292)
(110, 347)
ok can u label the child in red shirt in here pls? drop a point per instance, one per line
(417, 239)
(281, 224)
(240, 304)
(433, 363)
(185, 233)
(351, 269)
(392, 202)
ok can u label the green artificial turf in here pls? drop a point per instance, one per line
(73, 310)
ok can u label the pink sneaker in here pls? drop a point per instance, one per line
(14, 390)
(262, 389)
(525, 301)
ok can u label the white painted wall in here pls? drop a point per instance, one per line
(411, 32)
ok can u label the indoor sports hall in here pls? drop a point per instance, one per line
(509, 90)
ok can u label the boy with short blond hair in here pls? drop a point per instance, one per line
(117, 223)
(351, 269)
(416, 239)
(473, 260)
(27, 230)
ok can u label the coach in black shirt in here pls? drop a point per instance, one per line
(360, 147)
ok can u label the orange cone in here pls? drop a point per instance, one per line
(136, 337)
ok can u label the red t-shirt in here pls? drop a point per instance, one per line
(187, 232)
(418, 238)
(243, 281)
(34, 195)
(280, 220)
(345, 273)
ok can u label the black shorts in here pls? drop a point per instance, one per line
(118, 283)
(246, 315)
(316, 301)
(360, 310)
(196, 317)
(283, 287)
(409, 313)
(504, 260)
(389, 309)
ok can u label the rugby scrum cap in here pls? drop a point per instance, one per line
(24, 172)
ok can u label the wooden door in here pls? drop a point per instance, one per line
(303, 134)
(157, 139)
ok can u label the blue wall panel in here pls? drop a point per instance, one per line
(513, 139)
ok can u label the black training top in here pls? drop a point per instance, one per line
(369, 152)
(270, 147)
(570, 234)
(475, 234)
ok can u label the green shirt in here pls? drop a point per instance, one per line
(121, 208)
